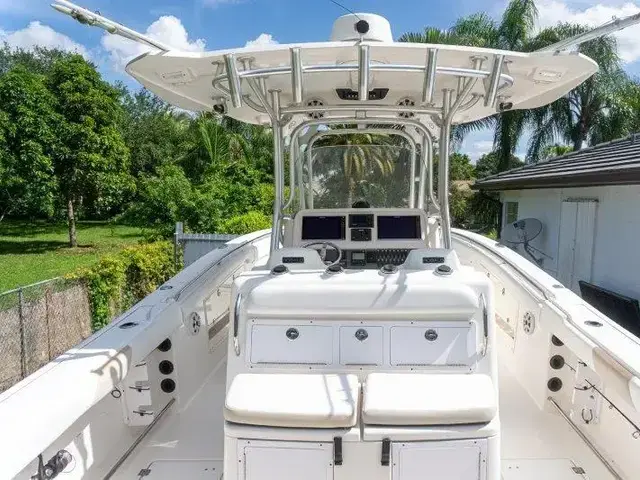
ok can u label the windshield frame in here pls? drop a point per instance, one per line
(308, 154)
(425, 190)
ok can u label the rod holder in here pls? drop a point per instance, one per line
(363, 73)
(494, 81)
(234, 80)
(430, 77)
(296, 76)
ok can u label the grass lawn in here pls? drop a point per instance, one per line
(34, 251)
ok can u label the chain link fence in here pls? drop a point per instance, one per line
(39, 322)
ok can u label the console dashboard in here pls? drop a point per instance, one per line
(368, 238)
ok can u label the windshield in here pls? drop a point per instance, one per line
(343, 175)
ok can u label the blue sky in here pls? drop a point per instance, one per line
(215, 24)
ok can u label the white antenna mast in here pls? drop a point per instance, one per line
(90, 18)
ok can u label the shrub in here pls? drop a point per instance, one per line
(246, 223)
(120, 280)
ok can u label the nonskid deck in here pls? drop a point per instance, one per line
(535, 443)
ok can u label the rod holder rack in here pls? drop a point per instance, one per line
(229, 81)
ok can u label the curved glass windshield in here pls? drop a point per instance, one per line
(347, 175)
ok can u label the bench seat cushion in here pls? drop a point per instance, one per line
(428, 399)
(293, 400)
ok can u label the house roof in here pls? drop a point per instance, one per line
(611, 163)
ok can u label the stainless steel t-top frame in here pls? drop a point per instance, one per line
(454, 100)
(269, 102)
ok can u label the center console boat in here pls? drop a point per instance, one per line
(361, 337)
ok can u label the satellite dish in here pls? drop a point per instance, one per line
(521, 232)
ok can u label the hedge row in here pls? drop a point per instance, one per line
(120, 280)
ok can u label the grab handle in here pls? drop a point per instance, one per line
(485, 324)
(236, 323)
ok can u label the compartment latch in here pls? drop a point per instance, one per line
(337, 451)
(386, 452)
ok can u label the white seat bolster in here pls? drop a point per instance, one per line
(293, 400)
(428, 399)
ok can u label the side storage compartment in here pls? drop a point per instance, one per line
(448, 460)
(285, 460)
(434, 343)
(289, 343)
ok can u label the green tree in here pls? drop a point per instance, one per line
(460, 167)
(557, 150)
(488, 164)
(352, 163)
(153, 132)
(573, 118)
(514, 32)
(621, 118)
(27, 142)
(91, 161)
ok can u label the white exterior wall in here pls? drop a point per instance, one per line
(616, 255)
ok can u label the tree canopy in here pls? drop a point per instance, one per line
(75, 146)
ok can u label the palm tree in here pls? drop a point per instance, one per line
(586, 109)
(354, 162)
(513, 32)
(557, 150)
(623, 116)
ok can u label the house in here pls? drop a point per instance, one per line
(589, 204)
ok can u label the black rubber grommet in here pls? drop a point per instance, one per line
(337, 268)
(554, 384)
(165, 367)
(389, 268)
(167, 385)
(279, 269)
(556, 362)
(556, 341)
(444, 269)
(165, 346)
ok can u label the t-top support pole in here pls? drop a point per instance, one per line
(277, 168)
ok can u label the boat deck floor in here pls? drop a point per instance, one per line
(535, 444)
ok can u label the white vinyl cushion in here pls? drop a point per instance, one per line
(293, 400)
(428, 399)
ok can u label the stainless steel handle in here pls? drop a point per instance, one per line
(236, 323)
(485, 324)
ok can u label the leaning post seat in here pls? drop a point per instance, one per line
(293, 400)
(419, 399)
(364, 373)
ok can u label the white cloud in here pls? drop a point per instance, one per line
(167, 29)
(37, 34)
(551, 12)
(263, 40)
(479, 148)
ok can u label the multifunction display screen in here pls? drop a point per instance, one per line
(323, 228)
(399, 227)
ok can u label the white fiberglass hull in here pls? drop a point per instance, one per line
(83, 403)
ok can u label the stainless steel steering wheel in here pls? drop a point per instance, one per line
(323, 251)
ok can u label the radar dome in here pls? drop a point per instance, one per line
(361, 26)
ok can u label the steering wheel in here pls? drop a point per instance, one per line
(323, 251)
